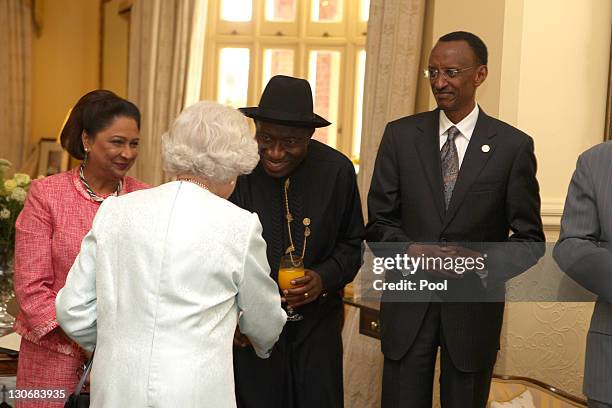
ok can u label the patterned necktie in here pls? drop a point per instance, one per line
(450, 163)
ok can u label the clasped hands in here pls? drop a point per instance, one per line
(442, 251)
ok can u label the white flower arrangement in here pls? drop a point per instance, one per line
(13, 192)
(19, 194)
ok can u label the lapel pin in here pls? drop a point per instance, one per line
(485, 148)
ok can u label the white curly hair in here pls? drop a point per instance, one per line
(209, 140)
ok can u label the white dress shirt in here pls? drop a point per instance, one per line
(466, 127)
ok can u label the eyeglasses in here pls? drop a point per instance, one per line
(449, 73)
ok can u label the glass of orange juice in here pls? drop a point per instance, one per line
(291, 267)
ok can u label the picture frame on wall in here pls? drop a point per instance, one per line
(52, 158)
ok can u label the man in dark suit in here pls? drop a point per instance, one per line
(453, 174)
(584, 252)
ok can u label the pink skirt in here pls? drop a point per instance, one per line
(42, 369)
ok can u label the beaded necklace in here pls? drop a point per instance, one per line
(90, 190)
(194, 181)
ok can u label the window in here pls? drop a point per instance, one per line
(323, 41)
(233, 78)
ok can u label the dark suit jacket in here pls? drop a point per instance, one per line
(584, 252)
(496, 194)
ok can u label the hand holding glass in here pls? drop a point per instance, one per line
(291, 267)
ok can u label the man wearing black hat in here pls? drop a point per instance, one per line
(306, 196)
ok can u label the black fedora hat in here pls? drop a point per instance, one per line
(287, 101)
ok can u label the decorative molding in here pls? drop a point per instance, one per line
(551, 212)
(545, 340)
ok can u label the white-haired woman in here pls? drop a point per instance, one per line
(166, 274)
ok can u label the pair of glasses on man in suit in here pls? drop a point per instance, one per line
(448, 73)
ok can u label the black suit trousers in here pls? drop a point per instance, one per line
(408, 382)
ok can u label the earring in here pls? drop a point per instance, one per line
(85, 158)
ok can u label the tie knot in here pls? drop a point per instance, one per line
(452, 133)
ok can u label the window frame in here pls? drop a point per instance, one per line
(303, 35)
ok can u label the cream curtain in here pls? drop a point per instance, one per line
(393, 51)
(165, 70)
(15, 79)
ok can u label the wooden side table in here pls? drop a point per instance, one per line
(369, 324)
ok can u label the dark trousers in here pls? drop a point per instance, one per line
(303, 374)
(408, 382)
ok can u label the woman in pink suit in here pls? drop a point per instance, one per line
(103, 132)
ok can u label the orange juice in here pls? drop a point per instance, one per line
(286, 275)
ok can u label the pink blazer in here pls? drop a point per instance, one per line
(57, 214)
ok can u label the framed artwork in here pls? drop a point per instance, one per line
(52, 158)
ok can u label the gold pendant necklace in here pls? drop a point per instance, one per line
(289, 218)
